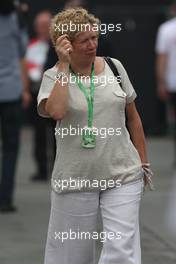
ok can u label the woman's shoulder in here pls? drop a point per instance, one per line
(51, 72)
(116, 61)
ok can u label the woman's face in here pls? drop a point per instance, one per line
(85, 46)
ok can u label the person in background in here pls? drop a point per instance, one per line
(22, 10)
(166, 63)
(13, 91)
(36, 57)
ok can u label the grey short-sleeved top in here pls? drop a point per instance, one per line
(114, 156)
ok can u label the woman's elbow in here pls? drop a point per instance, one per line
(56, 116)
(135, 121)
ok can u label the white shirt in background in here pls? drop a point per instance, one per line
(166, 43)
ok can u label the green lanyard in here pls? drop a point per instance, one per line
(89, 97)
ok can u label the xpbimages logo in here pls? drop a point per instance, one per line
(102, 132)
(103, 28)
(82, 235)
(102, 79)
(79, 183)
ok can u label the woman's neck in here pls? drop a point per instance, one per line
(84, 69)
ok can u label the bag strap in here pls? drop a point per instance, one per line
(116, 74)
(113, 68)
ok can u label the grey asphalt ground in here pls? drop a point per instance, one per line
(23, 234)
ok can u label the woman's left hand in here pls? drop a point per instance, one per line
(148, 174)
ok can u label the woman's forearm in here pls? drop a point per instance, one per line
(138, 138)
(57, 103)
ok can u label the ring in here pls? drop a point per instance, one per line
(68, 50)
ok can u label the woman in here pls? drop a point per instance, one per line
(92, 169)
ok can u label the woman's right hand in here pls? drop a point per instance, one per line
(63, 49)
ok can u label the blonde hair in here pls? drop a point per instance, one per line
(77, 16)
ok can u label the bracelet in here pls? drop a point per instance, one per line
(148, 174)
(146, 164)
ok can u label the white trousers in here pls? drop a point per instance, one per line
(72, 227)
